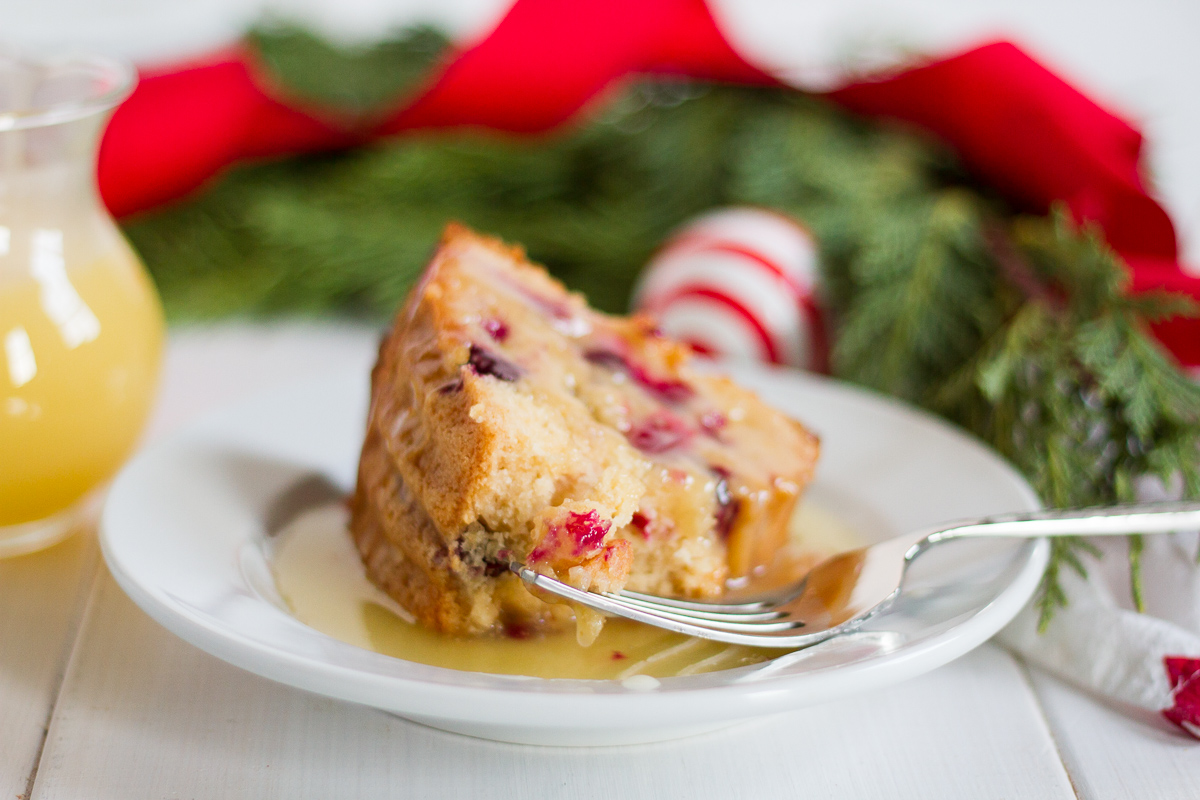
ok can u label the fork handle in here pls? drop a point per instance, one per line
(1100, 521)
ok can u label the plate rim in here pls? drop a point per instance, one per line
(395, 693)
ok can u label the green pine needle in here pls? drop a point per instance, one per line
(1135, 571)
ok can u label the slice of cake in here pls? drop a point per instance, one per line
(509, 421)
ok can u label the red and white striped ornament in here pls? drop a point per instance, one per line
(739, 282)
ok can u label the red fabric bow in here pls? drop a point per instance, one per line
(1184, 676)
(1019, 126)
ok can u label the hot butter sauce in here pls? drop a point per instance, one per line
(321, 579)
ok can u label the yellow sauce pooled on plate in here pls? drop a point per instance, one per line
(320, 577)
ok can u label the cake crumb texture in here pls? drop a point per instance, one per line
(510, 422)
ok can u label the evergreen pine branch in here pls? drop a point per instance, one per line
(352, 80)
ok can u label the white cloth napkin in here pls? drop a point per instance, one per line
(1099, 642)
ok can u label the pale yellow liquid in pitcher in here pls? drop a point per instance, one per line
(79, 356)
(321, 579)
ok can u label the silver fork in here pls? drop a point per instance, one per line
(844, 591)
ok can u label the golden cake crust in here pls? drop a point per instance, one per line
(505, 415)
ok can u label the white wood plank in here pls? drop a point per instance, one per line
(211, 366)
(1116, 753)
(41, 595)
(40, 602)
(143, 714)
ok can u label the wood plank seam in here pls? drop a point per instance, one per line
(83, 602)
(1024, 668)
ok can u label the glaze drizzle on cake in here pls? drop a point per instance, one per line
(510, 421)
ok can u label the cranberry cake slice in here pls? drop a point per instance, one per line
(509, 421)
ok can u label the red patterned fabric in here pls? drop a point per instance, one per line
(1183, 674)
(547, 58)
(1038, 140)
(181, 127)
(1031, 135)
(1018, 125)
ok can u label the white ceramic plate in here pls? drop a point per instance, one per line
(183, 533)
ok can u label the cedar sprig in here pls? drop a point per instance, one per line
(1073, 389)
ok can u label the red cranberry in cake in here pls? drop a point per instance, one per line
(569, 537)
(509, 421)
(665, 389)
(495, 328)
(484, 362)
(660, 432)
(711, 422)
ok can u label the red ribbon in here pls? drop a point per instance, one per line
(1183, 674)
(1016, 124)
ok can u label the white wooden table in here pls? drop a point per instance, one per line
(97, 701)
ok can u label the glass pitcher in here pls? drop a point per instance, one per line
(81, 326)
